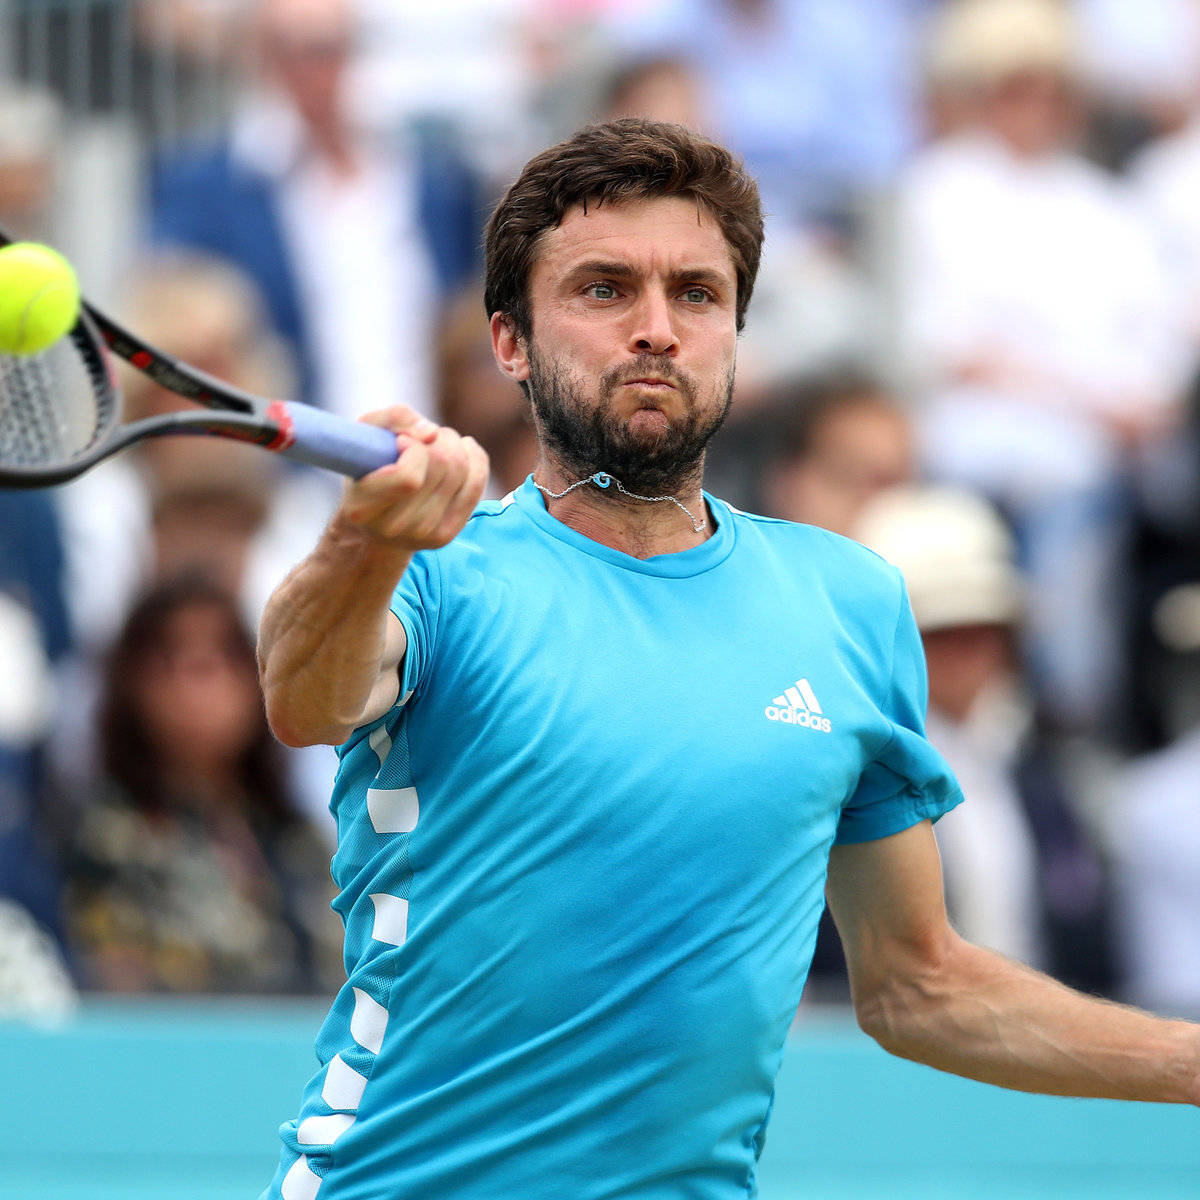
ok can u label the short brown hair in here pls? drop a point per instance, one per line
(627, 159)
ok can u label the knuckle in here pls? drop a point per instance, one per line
(408, 483)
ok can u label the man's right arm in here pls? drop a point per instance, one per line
(329, 646)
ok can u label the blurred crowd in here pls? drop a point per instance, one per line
(974, 346)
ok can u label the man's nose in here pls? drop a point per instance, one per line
(652, 330)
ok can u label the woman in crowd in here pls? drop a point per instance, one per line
(188, 870)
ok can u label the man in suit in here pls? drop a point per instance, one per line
(354, 236)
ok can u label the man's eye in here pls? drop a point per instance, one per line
(601, 291)
(697, 295)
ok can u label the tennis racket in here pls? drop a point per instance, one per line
(61, 411)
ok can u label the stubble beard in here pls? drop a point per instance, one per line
(584, 438)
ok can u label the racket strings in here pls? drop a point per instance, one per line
(48, 408)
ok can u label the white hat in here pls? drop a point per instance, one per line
(982, 41)
(955, 553)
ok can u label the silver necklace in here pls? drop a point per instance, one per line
(603, 480)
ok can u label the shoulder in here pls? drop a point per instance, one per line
(494, 519)
(494, 527)
(846, 568)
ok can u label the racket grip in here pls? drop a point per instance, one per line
(321, 439)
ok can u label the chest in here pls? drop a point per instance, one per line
(646, 704)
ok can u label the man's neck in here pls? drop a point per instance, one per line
(335, 146)
(641, 528)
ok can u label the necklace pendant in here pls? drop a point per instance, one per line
(603, 480)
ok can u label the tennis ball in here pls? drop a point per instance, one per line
(39, 297)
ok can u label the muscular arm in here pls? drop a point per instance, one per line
(329, 648)
(925, 994)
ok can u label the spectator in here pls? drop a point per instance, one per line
(1022, 874)
(31, 134)
(477, 400)
(352, 235)
(816, 95)
(833, 448)
(1037, 316)
(188, 868)
(662, 89)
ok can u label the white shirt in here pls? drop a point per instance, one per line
(1156, 849)
(1166, 178)
(988, 850)
(362, 269)
(1045, 263)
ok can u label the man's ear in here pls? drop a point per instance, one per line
(511, 355)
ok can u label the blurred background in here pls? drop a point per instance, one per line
(974, 346)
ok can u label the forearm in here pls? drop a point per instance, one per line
(329, 652)
(977, 1014)
(323, 639)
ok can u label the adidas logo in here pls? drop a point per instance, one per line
(798, 706)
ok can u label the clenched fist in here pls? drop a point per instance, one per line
(422, 500)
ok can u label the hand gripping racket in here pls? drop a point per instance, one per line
(60, 411)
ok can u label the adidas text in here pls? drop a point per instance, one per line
(793, 716)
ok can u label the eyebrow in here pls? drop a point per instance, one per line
(615, 269)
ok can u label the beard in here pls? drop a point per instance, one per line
(585, 437)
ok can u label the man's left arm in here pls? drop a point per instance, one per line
(926, 994)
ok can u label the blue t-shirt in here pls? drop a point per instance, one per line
(582, 861)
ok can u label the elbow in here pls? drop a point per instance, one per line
(287, 731)
(291, 735)
(899, 998)
(879, 1015)
(289, 727)
(890, 1020)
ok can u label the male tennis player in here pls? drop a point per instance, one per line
(605, 746)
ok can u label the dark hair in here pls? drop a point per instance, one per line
(127, 750)
(798, 412)
(627, 159)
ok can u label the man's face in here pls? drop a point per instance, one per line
(306, 47)
(631, 357)
(1034, 112)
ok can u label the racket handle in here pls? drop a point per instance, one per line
(314, 436)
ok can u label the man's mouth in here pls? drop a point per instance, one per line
(652, 382)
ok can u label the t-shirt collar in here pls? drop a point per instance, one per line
(681, 564)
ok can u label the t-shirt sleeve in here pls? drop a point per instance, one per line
(908, 780)
(416, 602)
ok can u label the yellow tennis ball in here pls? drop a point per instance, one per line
(39, 297)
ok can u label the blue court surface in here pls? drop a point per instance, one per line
(180, 1101)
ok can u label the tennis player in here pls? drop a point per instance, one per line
(607, 744)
